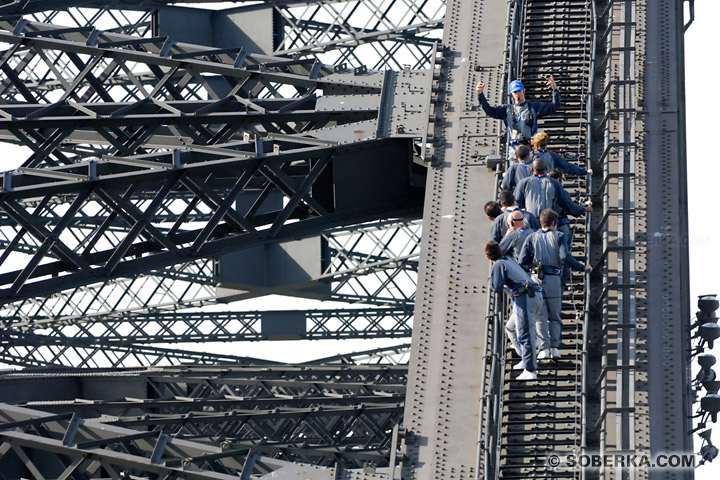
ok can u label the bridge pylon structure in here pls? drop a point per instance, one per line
(167, 163)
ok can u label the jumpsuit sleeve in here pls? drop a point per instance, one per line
(567, 167)
(546, 108)
(527, 253)
(506, 245)
(574, 209)
(565, 202)
(534, 222)
(497, 111)
(520, 194)
(565, 255)
(497, 278)
(509, 175)
(495, 231)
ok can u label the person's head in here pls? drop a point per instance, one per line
(548, 218)
(516, 219)
(517, 90)
(539, 166)
(557, 174)
(493, 209)
(539, 140)
(506, 197)
(522, 152)
(492, 250)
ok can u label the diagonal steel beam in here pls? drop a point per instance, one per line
(42, 351)
(206, 327)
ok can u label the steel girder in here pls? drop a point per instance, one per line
(275, 162)
(308, 414)
(395, 355)
(208, 327)
(379, 34)
(34, 350)
(146, 247)
(373, 263)
(77, 448)
(134, 340)
(113, 349)
(104, 320)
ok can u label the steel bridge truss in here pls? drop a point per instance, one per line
(122, 322)
(124, 225)
(323, 416)
(146, 162)
(379, 34)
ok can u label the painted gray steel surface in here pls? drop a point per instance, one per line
(443, 390)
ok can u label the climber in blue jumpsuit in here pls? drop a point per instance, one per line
(553, 160)
(518, 170)
(563, 222)
(513, 241)
(527, 303)
(521, 116)
(547, 252)
(499, 227)
(538, 192)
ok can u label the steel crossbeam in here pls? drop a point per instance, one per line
(307, 413)
(106, 319)
(391, 33)
(34, 350)
(125, 450)
(149, 161)
(117, 349)
(381, 255)
(359, 31)
(395, 355)
(207, 327)
(92, 447)
(173, 248)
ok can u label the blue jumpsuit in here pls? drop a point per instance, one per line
(539, 192)
(520, 120)
(548, 249)
(516, 172)
(563, 226)
(499, 227)
(506, 272)
(512, 243)
(554, 160)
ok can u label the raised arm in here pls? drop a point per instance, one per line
(565, 202)
(494, 112)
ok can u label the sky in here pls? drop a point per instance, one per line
(701, 72)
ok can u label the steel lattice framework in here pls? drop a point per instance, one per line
(154, 166)
(320, 415)
(372, 263)
(112, 86)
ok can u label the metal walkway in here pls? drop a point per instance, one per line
(539, 417)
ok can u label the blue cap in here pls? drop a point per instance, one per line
(515, 86)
